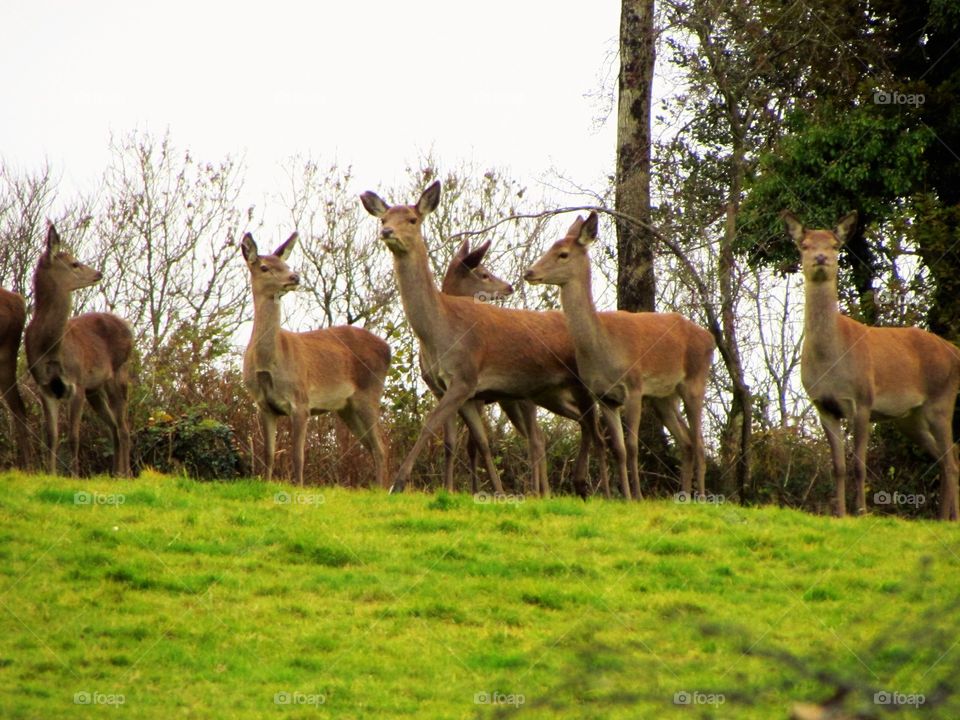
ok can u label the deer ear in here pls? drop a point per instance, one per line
(283, 252)
(474, 259)
(374, 205)
(846, 226)
(463, 250)
(588, 229)
(249, 248)
(429, 200)
(794, 226)
(53, 240)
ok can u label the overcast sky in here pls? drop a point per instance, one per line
(499, 83)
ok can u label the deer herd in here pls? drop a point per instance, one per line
(581, 363)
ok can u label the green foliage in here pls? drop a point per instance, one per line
(205, 449)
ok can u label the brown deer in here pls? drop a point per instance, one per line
(466, 276)
(299, 374)
(624, 357)
(13, 316)
(859, 373)
(72, 359)
(474, 350)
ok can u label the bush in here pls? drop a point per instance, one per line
(201, 448)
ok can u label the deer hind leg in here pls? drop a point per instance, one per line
(363, 419)
(834, 433)
(523, 415)
(472, 415)
(102, 408)
(268, 425)
(449, 452)
(74, 416)
(14, 401)
(693, 399)
(939, 421)
(117, 395)
(631, 416)
(51, 433)
(611, 417)
(670, 417)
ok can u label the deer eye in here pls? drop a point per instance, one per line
(413, 221)
(75, 264)
(264, 268)
(564, 255)
(485, 276)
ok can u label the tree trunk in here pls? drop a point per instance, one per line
(636, 281)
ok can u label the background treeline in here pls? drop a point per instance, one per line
(767, 105)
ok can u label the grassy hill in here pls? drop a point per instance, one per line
(171, 598)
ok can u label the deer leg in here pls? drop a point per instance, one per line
(611, 417)
(449, 452)
(631, 415)
(99, 404)
(456, 395)
(946, 453)
(298, 434)
(14, 401)
(834, 433)
(670, 416)
(693, 404)
(473, 454)
(52, 436)
(118, 395)
(471, 412)
(363, 419)
(523, 416)
(861, 434)
(594, 432)
(268, 424)
(74, 416)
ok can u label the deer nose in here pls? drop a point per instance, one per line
(529, 275)
(386, 233)
(508, 290)
(820, 259)
(295, 278)
(99, 276)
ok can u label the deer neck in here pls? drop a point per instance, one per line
(53, 309)
(583, 321)
(418, 292)
(821, 337)
(266, 330)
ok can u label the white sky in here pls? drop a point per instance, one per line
(368, 84)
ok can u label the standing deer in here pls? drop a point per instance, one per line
(624, 357)
(466, 276)
(75, 358)
(299, 374)
(13, 316)
(860, 373)
(477, 351)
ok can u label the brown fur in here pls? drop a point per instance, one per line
(860, 373)
(475, 350)
(624, 357)
(340, 369)
(78, 358)
(13, 317)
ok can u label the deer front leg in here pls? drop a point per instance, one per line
(456, 394)
(861, 434)
(834, 432)
(298, 434)
(449, 452)
(611, 417)
(268, 424)
(51, 435)
(471, 412)
(75, 415)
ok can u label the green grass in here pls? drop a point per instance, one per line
(200, 600)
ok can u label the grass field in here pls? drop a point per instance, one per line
(163, 597)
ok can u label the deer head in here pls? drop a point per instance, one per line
(564, 261)
(58, 266)
(819, 249)
(467, 276)
(269, 274)
(401, 225)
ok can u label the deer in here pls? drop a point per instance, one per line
(624, 357)
(77, 358)
(340, 369)
(861, 374)
(466, 276)
(476, 350)
(13, 317)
